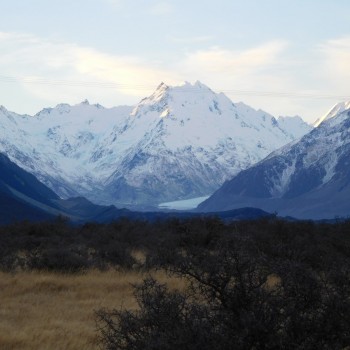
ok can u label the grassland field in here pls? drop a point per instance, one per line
(49, 311)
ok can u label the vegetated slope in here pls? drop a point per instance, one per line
(308, 178)
(178, 143)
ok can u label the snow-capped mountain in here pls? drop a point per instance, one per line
(63, 146)
(295, 126)
(178, 143)
(334, 111)
(308, 178)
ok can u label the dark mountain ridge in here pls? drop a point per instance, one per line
(306, 179)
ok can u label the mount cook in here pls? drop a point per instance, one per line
(180, 142)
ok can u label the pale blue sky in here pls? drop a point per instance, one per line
(287, 57)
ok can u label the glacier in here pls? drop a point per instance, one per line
(185, 204)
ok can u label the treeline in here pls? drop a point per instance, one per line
(264, 284)
(58, 245)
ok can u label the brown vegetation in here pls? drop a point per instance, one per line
(46, 310)
(267, 284)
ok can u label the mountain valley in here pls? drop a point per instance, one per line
(179, 143)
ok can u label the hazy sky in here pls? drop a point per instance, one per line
(286, 57)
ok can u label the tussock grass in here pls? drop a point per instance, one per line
(45, 310)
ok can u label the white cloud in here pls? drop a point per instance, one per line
(233, 63)
(255, 69)
(25, 55)
(64, 65)
(52, 70)
(336, 61)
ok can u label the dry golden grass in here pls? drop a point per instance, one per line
(139, 256)
(273, 281)
(42, 310)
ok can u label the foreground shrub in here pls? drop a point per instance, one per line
(165, 320)
(237, 298)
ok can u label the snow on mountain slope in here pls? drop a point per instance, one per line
(294, 126)
(334, 111)
(308, 178)
(178, 143)
(61, 145)
(195, 140)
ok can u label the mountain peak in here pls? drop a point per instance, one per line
(98, 106)
(160, 92)
(197, 85)
(85, 102)
(333, 112)
(3, 109)
(172, 98)
(289, 117)
(186, 87)
(162, 86)
(63, 108)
